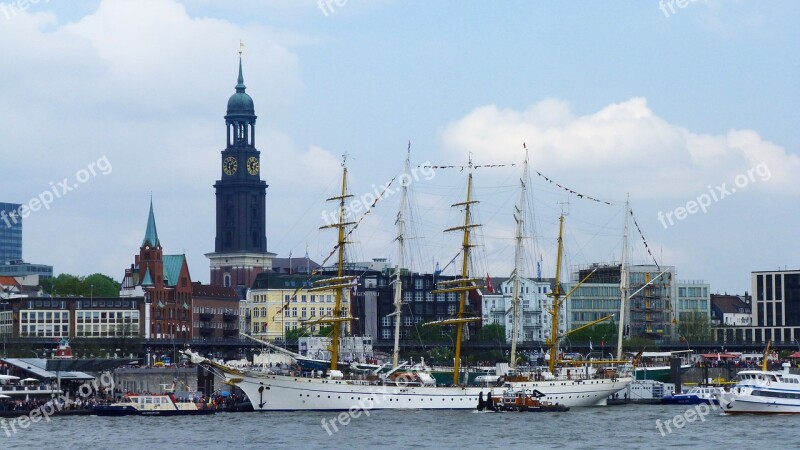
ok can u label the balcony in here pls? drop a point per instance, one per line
(206, 316)
(230, 317)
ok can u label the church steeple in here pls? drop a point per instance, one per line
(240, 247)
(151, 234)
(240, 87)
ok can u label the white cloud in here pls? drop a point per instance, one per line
(625, 142)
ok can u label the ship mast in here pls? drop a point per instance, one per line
(463, 285)
(398, 282)
(556, 294)
(340, 282)
(518, 216)
(623, 283)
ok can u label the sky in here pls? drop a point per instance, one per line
(688, 111)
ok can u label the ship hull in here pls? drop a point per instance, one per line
(751, 404)
(285, 393)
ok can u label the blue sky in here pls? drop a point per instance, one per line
(612, 97)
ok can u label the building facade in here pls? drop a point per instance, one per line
(373, 306)
(650, 310)
(281, 303)
(10, 233)
(75, 317)
(775, 312)
(165, 283)
(240, 247)
(693, 300)
(534, 322)
(731, 310)
(215, 312)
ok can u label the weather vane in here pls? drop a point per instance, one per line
(241, 48)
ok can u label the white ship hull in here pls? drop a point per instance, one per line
(763, 392)
(749, 404)
(286, 393)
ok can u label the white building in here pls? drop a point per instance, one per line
(534, 320)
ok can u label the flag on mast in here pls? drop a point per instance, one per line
(489, 286)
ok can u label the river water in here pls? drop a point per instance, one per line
(626, 426)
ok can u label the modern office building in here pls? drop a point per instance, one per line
(10, 233)
(775, 310)
(650, 311)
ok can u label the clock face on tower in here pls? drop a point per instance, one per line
(229, 165)
(252, 165)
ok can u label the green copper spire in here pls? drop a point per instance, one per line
(151, 235)
(240, 87)
(147, 280)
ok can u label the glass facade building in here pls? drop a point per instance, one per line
(10, 233)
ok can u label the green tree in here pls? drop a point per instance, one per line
(491, 333)
(596, 334)
(695, 327)
(94, 285)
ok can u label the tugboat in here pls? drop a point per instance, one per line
(521, 400)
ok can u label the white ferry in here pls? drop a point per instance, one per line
(152, 405)
(763, 392)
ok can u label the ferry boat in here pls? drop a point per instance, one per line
(694, 396)
(152, 405)
(763, 392)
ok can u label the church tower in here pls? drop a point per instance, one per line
(240, 246)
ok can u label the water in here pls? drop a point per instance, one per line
(629, 426)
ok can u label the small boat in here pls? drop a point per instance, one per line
(152, 405)
(694, 396)
(520, 400)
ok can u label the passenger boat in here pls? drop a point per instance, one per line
(763, 392)
(655, 365)
(152, 405)
(694, 396)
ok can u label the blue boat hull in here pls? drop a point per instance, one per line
(686, 400)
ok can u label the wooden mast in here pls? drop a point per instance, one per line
(463, 285)
(340, 282)
(556, 294)
(398, 281)
(519, 217)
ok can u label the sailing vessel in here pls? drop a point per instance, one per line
(400, 388)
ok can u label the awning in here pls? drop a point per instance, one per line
(719, 356)
(38, 368)
(795, 355)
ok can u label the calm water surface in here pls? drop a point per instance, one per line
(630, 426)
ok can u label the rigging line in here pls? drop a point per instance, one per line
(647, 247)
(550, 180)
(336, 247)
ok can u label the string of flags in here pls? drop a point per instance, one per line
(573, 192)
(647, 247)
(470, 166)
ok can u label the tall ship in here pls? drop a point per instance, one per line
(404, 387)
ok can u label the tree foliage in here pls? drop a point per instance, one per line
(94, 285)
(597, 335)
(695, 327)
